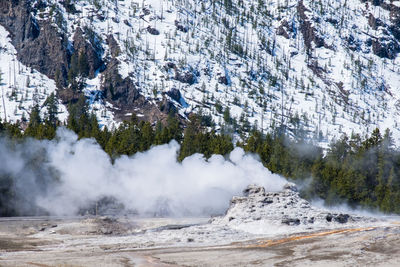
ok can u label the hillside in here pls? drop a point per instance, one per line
(312, 68)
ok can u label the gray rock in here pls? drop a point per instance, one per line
(342, 218)
(88, 45)
(253, 190)
(175, 94)
(39, 44)
(291, 187)
(290, 221)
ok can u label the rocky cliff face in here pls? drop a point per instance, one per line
(89, 45)
(318, 68)
(47, 46)
(38, 43)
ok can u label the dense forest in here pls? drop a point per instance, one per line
(360, 171)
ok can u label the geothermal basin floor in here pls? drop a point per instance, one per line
(127, 241)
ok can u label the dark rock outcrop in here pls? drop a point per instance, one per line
(290, 221)
(283, 29)
(113, 46)
(116, 89)
(180, 27)
(126, 97)
(373, 22)
(170, 65)
(385, 47)
(152, 30)
(253, 190)
(93, 51)
(223, 80)
(353, 44)
(167, 107)
(185, 77)
(38, 43)
(340, 218)
(309, 33)
(175, 94)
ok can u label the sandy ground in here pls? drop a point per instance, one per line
(164, 242)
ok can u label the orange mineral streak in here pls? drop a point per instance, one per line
(269, 243)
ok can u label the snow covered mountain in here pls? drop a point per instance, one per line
(314, 68)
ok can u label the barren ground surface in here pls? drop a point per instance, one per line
(125, 241)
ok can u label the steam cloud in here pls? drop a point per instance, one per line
(76, 172)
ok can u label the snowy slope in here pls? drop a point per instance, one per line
(21, 87)
(253, 57)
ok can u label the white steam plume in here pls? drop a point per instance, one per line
(147, 181)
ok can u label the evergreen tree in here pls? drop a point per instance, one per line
(78, 119)
(34, 122)
(73, 69)
(227, 116)
(83, 65)
(52, 109)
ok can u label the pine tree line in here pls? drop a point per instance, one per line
(359, 171)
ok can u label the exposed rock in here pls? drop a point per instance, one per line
(342, 218)
(332, 21)
(386, 48)
(152, 30)
(223, 80)
(254, 190)
(309, 33)
(39, 44)
(167, 107)
(395, 19)
(116, 89)
(316, 68)
(170, 65)
(374, 22)
(290, 187)
(113, 46)
(106, 225)
(186, 77)
(353, 44)
(83, 44)
(175, 94)
(146, 11)
(282, 29)
(180, 27)
(126, 98)
(68, 96)
(290, 221)
(127, 23)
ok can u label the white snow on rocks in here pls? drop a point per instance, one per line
(22, 87)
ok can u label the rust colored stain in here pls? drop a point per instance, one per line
(269, 243)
